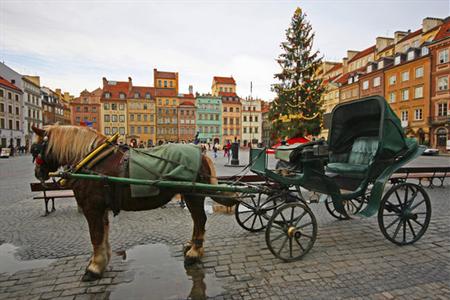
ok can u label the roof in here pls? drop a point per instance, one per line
(344, 78)
(363, 53)
(411, 35)
(188, 96)
(115, 88)
(97, 92)
(165, 75)
(142, 90)
(189, 103)
(331, 79)
(165, 92)
(8, 84)
(227, 94)
(444, 32)
(224, 80)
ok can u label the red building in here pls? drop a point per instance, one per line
(186, 118)
(85, 109)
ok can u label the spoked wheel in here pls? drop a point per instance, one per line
(404, 214)
(352, 206)
(253, 212)
(291, 232)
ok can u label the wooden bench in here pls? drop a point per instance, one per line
(50, 191)
(429, 174)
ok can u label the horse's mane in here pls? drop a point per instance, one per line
(70, 144)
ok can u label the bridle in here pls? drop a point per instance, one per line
(38, 151)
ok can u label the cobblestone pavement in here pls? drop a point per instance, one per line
(350, 259)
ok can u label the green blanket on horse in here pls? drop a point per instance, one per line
(178, 162)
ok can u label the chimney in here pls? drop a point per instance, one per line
(105, 82)
(351, 54)
(191, 90)
(398, 35)
(130, 84)
(383, 42)
(429, 23)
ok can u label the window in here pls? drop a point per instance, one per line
(237, 109)
(78, 108)
(245, 129)
(404, 115)
(139, 129)
(106, 106)
(86, 109)
(418, 92)
(418, 114)
(411, 55)
(391, 97)
(392, 80)
(237, 121)
(17, 111)
(225, 121)
(174, 102)
(425, 51)
(365, 84)
(136, 95)
(131, 129)
(369, 68)
(121, 106)
(443, 56)
(442, 110)
(443, 83)
(256, 118)
(256, 129)
(10, 109)
(147, 95)
(107, 130)
(419, 72)
(376, 81)
(397, 60)
(122, 130)
(167, 101)
(77, 119)
(122, 118)
(405, 76)
(94, 109)
(107, 95)
(165, 83)
(1, 93)
(405, 94)
(2, 123)
(381, 64)
(159, 83)
(245, 118)
(2, 107)
(114, 118)
(231, 109)
(171, 83)
(113, 106)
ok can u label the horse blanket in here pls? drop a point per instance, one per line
(178, 162)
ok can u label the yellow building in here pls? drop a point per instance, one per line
(141, 116)
(114, 107)
(330, 98)
(165, 80)
(223, 84)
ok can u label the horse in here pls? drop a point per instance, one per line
(65, 145)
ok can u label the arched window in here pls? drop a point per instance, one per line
(441, 137)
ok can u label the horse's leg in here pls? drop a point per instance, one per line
(99, 231)
(196, 207)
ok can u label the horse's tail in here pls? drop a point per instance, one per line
(228, 198)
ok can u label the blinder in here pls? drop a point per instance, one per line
(38, 151)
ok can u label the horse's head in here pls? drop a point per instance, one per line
(43, 160)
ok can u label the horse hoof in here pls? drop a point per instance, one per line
(186, 248)
(90, 276)
(189, 260)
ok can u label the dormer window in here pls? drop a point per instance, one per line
(136, 95)
(122, 96)
(356, 78)
(369, 68)
(350, 80)
(107, 95)
(147, 96)
(411, 55)
(425, 51)
(398, 60)
(381, 64)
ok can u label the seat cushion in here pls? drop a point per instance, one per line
(363, 150)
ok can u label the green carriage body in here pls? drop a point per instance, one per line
(366, 144)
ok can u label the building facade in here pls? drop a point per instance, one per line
(52, 110)
(223, 84)
(141, 116)
(209, 119)
(11, 115)
(187, 118)
(85, 109)
(231, 117)
(32, 108)
(166, 95)
(266, 124)
(251, 122)
(440, 91)
(113, 110)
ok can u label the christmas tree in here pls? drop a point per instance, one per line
(296, 110)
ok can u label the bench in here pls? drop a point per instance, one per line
(50, 191)
(422, 173)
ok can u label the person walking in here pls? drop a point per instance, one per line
(215, 150)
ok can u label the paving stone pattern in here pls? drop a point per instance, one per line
(350, 259)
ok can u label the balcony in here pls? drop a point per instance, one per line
(440, 120)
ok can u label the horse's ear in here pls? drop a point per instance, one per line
(38, 131)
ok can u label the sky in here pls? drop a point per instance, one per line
(73, 44)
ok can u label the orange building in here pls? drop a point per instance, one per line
(231, 117)
(407, 89)
(141, 116)
(223, 84)
(372, 82)
(186, 118)
(440, 91)
(85, 109)
(166, 96)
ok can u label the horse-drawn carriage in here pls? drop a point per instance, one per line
(366, 145)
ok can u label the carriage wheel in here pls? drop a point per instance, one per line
(253, 213)
(404, 214)
(291, 232)
(352, 207)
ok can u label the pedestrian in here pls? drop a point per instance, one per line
(215, 150)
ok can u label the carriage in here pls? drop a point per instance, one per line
(348, 172)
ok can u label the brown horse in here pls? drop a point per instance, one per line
(58, 146)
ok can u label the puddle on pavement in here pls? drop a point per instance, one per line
(10, 264)
(158, 275)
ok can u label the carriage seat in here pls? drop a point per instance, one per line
(359, 158)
